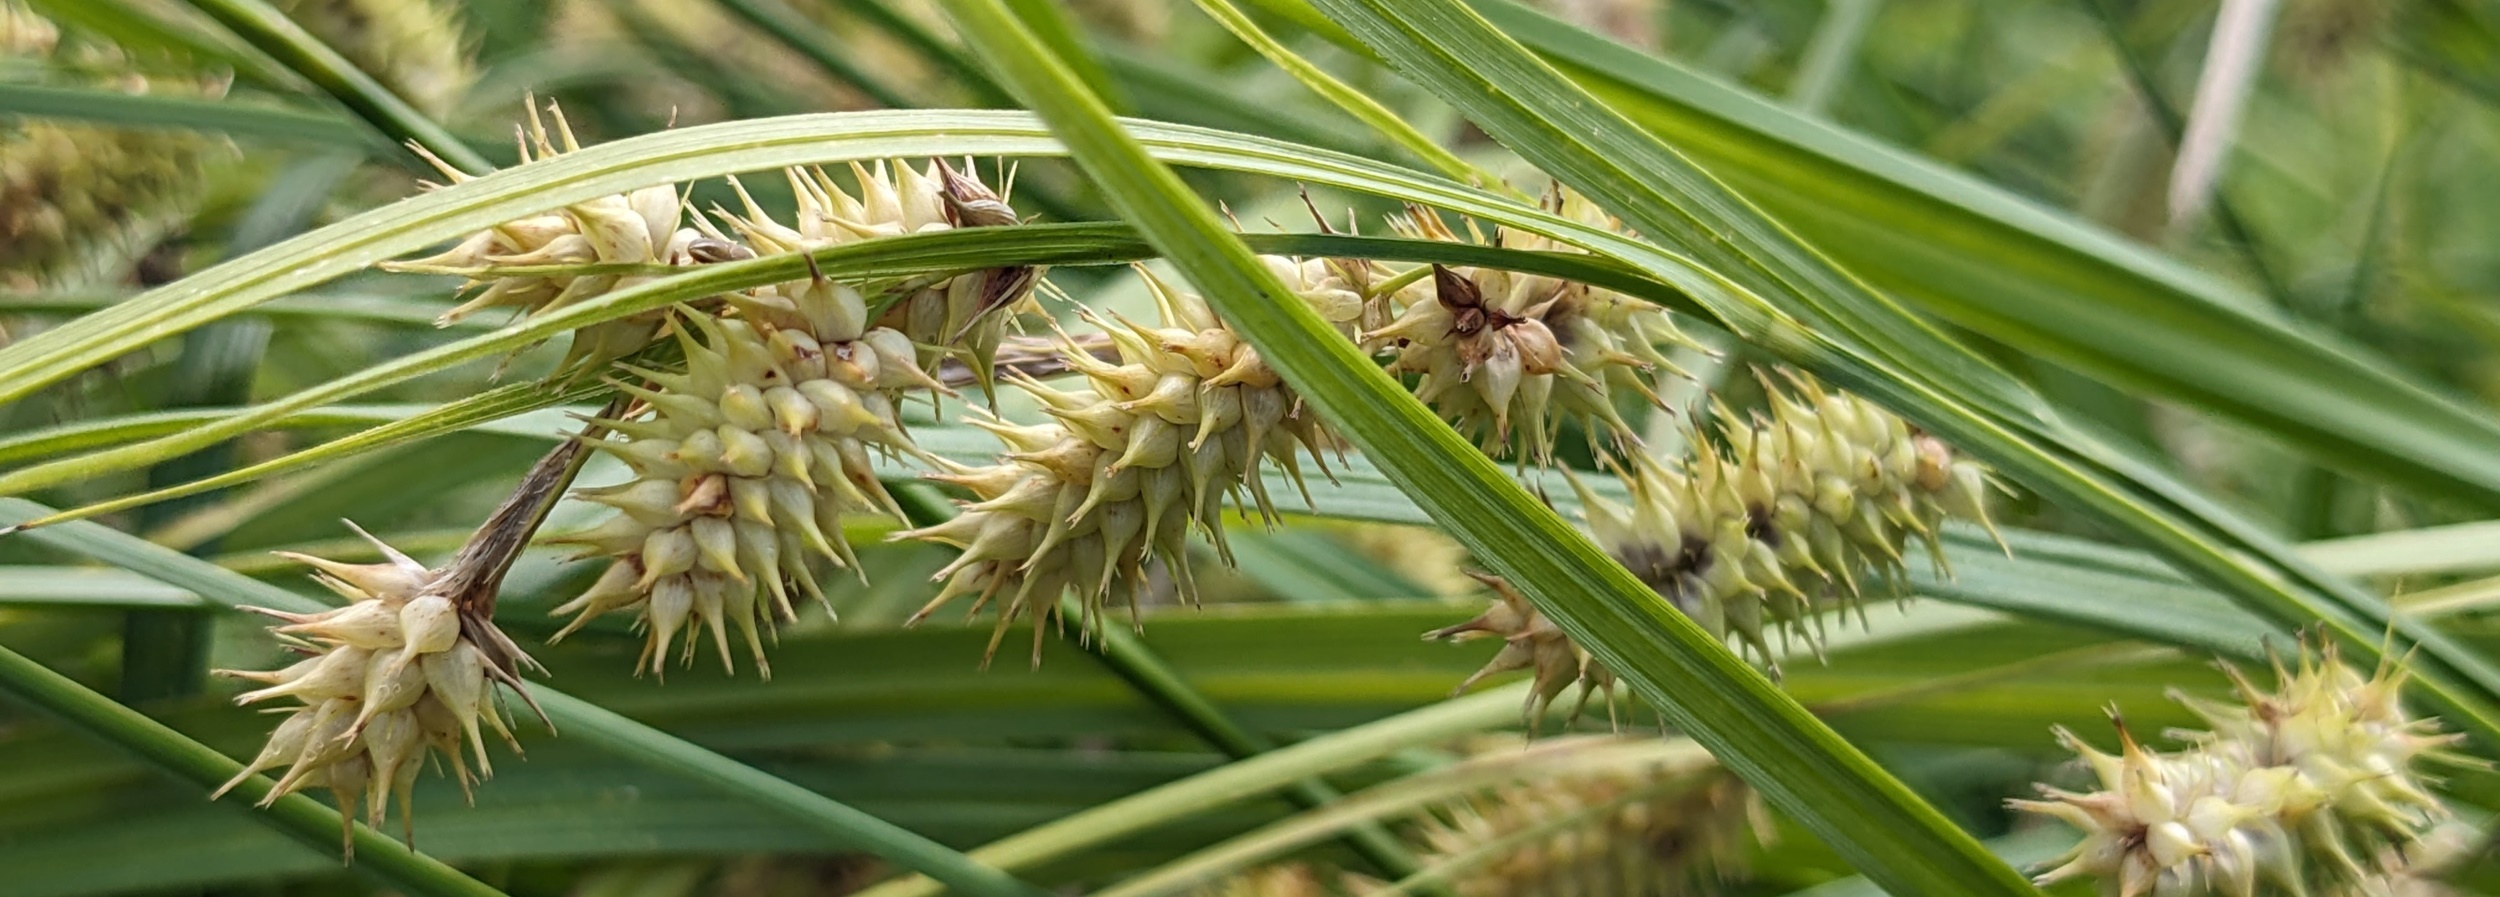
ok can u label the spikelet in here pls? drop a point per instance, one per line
(403, 671)
(964, 316)
(1151, 446)
(1795, 512)
(1509, 357)
(1613, 829)
(746, 467)
(1530, 642)
(72, 196)
(2309, 788)
(642, 227)
(1791, 515)
(412, 46)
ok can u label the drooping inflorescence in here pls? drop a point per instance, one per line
(2310, 788)
(404, 671)
(76, 197)
(746, 465)
(1149, 448)
(1796, 511)
(1509, 357)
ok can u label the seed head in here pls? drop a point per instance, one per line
(745, 466)
(2307, 789)
(75, 198)
(1791, 511)
(1795, 511)
(642, 227)
(1508, 357)
(1147, 450)
(398, 674)
(964, 316)
(1594, 826)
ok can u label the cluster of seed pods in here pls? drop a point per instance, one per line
(1793, 514)
(1509, 357)
(1147, 451)
(74, 195)
(399, 673)
(745, 465)
(2309, 788)
(642, 227)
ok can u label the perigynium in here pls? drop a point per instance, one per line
(2309, 788)
(1509, 357)
(1146, 450)
(745, 465)
(77, 200)
(406, 670)
(1790, 512)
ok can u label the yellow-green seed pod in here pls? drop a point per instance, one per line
(77, 198)
(1145, 452)
(395, 675)
(2310, 788)
(414, 47)
(1509, 357)
(746, 466)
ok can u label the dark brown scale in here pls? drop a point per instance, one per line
(1460, 296)
(1758, 526)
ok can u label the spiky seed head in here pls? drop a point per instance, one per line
(746, 465)
(1592, 817)
(2268, 798)
(398, 675)
(506, 265)
(964, 316)
(1508, 357)
(1789, 513)
(1148, 449)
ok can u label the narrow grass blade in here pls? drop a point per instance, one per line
(1344, 96)
(390, 116)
